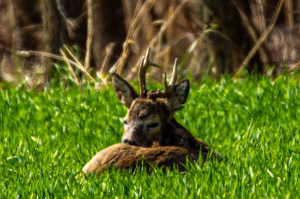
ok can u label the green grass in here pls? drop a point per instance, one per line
(46, 139)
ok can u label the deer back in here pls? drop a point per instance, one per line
(124, 156)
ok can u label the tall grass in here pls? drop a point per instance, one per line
(46, 139)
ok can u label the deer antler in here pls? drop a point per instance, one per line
(142, 73)
(168, 89)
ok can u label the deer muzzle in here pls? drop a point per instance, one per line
(131, 135)
(129, 142)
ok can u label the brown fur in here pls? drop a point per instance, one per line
(123, 156)
(144, 107)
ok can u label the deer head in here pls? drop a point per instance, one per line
(148, 117)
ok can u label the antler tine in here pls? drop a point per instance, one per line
(145, 64)
(168, 89)
(174, 77)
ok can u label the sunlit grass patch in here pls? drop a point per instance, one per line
(46, 139)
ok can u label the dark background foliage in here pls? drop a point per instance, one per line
(208, 37)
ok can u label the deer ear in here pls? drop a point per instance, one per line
(124, 92)
(178, 98)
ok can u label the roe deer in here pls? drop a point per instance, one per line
(150, 120)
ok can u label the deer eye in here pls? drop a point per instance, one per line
(125, 122)
(154, 125)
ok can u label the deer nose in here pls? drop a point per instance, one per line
(129, 142)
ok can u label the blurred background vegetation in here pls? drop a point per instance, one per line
(85, 40)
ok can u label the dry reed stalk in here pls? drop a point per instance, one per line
(146, 7)
(261, 8)
(261, 39)
(113, 69)
(25, 53)
(132, 32)
(155, 39)
(70, 67)
(212, 66)
(76, 63)
(289, 13)
(12, 9)
(108, 52)
(79, 65)
(159, 44)
(2, 74)
(195, 65)
(75, 58)
(297, 7)
(47, 22)
(251, 31)
(167, 54)
(294, 66)
(90, 32)
(164, 51)
(204, 14)
(71, 24)
(192, 47)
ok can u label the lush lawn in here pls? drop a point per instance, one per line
(46, 139)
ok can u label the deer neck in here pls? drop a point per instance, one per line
(177, 135)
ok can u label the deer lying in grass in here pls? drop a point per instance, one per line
(123, 156)
(150, 122)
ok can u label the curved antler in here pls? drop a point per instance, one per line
(142, 73)
(168, 89)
